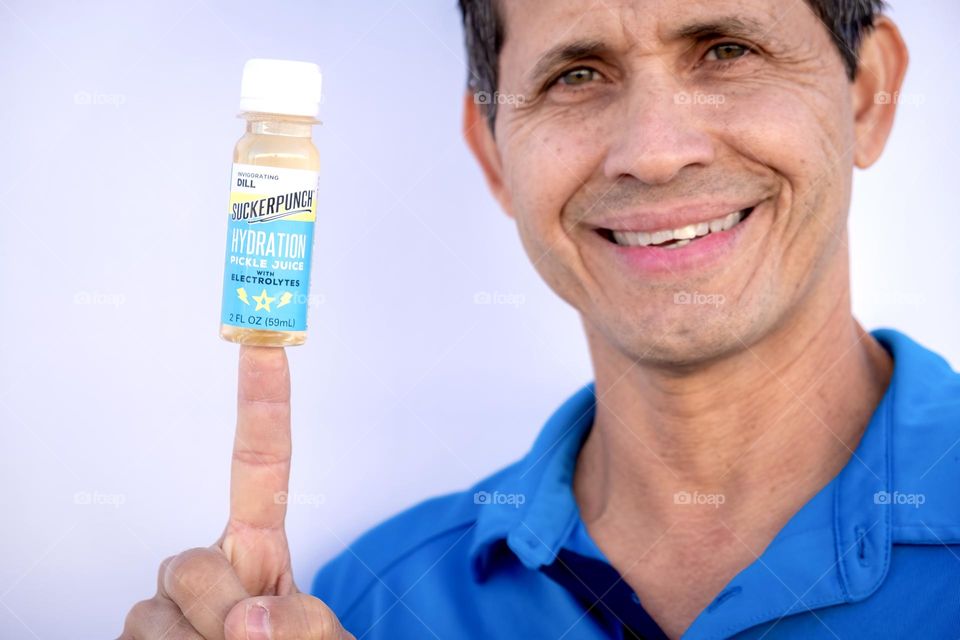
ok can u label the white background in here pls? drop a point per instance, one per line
(118, 119)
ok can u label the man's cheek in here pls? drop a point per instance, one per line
(761, 126)
(539, 189)
(782, 135)
(544, 231)
(551, 253)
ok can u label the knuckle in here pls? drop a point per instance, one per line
(144, 614)
(157, 618)
(139, 612)
(191, 570)
(162, 571)
(260, 458)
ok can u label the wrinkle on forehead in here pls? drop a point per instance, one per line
(643, 24)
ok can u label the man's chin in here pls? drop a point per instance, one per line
(679, 343)
(681, 353)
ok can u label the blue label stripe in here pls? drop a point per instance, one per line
(259, 293)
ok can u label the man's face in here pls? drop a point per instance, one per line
(671, 113)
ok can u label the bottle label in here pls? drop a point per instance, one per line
(266, 281)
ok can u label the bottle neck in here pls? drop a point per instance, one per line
(273, 124)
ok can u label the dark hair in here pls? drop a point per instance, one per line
(847, 20)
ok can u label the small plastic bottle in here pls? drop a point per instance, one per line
(273, 206)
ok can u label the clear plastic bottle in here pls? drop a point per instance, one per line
(273, 204)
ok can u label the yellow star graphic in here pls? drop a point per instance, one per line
(263, 301)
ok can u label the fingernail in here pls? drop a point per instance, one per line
(258, 622)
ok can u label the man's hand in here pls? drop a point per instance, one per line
(241, 587)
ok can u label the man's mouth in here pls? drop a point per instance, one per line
(676, 238)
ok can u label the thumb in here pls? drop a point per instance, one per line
(298, 616)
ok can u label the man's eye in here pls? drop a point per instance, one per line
(578, 77)
(727, 51)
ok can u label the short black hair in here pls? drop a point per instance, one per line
(848, 21)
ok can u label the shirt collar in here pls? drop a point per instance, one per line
(842, 537)
(531, 503)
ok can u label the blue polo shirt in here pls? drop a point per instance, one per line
(875, 554)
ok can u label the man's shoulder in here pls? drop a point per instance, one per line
(924, 411)
(384, 555)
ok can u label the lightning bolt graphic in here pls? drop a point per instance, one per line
(242, 294)
(285, 298)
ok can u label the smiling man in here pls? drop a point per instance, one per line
(748, 462)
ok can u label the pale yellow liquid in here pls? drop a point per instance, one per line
(274, 141)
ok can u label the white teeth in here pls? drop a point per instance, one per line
(682, 235)
(662, 236)
(731, 220)
(632, 238)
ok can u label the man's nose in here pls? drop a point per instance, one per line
(658, 131)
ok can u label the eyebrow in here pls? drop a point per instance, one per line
(564, 53)
(730, 26)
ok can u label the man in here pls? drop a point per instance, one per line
(748, 461)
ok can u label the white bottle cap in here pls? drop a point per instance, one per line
(288, 87)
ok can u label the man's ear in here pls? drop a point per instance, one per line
(876, 90)
(479, 137)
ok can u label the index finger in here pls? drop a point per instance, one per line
(260, 467)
